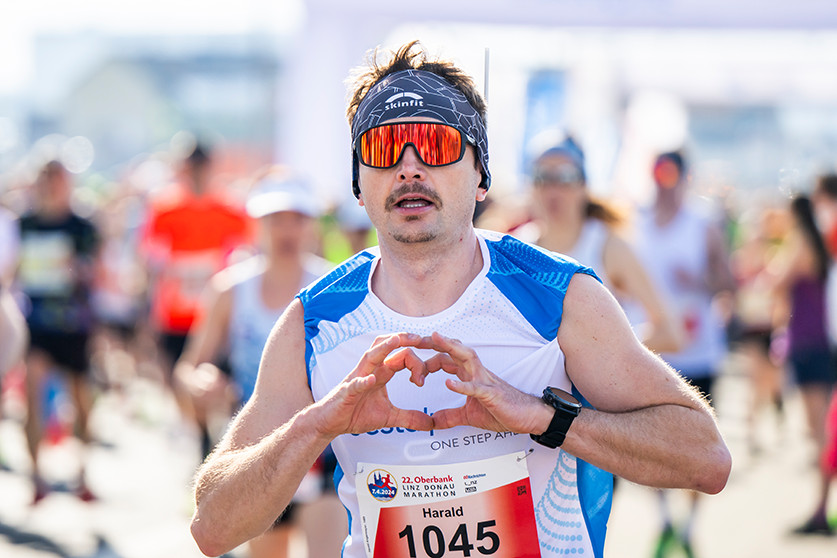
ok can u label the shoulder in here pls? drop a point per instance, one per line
(532, 279)
(82, 223)
(343, 288)
(238, 273)
(511, 256)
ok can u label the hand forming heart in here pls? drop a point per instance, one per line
(491, 403)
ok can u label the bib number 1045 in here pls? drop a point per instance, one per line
(435, 544)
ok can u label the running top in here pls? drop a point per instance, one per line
(188, 239)
(669, 252)
(251, 321)
(807, 324)
(510, 315)
(589, 248)
(56, 272)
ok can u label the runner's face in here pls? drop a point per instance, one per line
(412, 202)
(286, 233)
(558, 191)
(53, 191)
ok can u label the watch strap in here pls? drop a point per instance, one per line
(556, 432)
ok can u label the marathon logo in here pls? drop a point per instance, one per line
(382, 485)
(405, 99)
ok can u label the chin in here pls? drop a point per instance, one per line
(413, 238)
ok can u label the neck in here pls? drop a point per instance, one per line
(560, 235)
(54, 212)
(421, 281)
(665, 209)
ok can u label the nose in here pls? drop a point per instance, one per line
(410, 166)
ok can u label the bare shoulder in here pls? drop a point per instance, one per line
(604, 358)
(283, 361)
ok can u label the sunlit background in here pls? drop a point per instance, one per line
(750, 88)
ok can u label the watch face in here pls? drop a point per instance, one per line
(564, 397)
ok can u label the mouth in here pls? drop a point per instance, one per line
(413, 203)
(413, 197)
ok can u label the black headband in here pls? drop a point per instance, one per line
(418, 93)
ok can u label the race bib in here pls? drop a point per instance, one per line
(478, 508)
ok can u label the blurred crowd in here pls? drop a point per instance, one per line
(176, 273)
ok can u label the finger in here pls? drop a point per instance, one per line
(454, 348)
(448, 418)
(407, 358)
(382, 347)
(401, 358)
(358, 386)
(414, 420)
(425, 343)
(442, 361)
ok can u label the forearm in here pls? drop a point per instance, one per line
(239, 493)
(667, 446)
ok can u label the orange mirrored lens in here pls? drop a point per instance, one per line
(436, 144)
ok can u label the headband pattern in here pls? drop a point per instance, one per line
(418, 93)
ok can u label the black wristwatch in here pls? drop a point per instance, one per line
(566, 408)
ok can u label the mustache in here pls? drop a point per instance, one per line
(412, 188)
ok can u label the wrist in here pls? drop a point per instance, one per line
(565, 407)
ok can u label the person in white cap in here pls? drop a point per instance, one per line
(243, 303)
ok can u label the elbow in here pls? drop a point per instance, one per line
(714, 475)
(206, 538)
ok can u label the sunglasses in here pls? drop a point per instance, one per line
(564, 175)
(437, 144)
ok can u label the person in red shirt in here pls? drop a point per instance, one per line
(190, 234)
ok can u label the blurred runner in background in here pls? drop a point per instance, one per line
(191, 231)
(243, 304)
(57, 262)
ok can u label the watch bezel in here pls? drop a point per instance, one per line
(564, 399)
(566, 407)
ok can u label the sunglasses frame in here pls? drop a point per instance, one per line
(564, 178)
(464, 139)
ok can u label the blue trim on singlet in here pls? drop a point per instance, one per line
(333, 296)
(536, 282)
(336, 478)
(595, 494)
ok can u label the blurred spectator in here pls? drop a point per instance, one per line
(816, 230)
(119, 288)
(825, 206)
(244, 302)
(754, 262)
(57, 260)
(825, 203)
(801, 283)
(568, 220)
(684, 252)
(190, 234)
